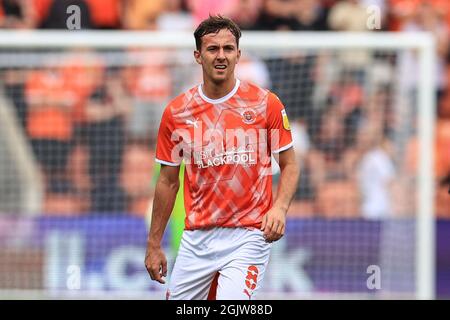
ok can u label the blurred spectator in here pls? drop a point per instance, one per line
(275, 15)
(429, 19)
(330, 159)
(308, 15)
(302, 146)
(106, 14)
(57, 15)
(136, 175)
(296, 95)
(66, 205)
(347, 94)
(149, 83)
(401, 12)
(441, 164)
(426, 18)
(404, 11)
(246, 13)
(442, 203)
(175, 17)
(382, 105)
(376, 174)
(441, 151)
(49, 124)
(78, 165)
(338, 199)
(16, 14)
(83, 71)
(301, 139)
(441, 154)
(106, 112)
(201, 9)
(142, 14)
(252, 69)
(40, 10)
(444, 103)
(302, 209)
(348, 15)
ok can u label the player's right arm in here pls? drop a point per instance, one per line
(165, 194)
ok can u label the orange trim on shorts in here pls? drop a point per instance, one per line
(212, 294)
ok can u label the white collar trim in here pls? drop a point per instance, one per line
(220, 100)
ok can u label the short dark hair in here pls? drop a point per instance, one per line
(213, 25)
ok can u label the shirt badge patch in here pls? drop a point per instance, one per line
(285, 120)
(248, 116)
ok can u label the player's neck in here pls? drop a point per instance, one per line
(216, 91)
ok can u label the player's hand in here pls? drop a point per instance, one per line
(273, 224)
(156, 264)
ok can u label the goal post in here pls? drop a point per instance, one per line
(320, 78)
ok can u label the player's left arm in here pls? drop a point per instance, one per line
(274, 222)
(280, 139)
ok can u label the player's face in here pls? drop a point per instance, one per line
(218, 56)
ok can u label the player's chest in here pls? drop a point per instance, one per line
(216, 120)
(221, 136)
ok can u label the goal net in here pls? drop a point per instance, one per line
(79, 114)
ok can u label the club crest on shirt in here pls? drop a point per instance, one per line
(248, 116)
(285, 120)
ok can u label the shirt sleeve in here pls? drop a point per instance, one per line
(165, 146)
(279, 130)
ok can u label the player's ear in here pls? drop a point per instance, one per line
(197, 56)
(238, 55)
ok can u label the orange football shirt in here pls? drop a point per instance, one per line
(226, 145)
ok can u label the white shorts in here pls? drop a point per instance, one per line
(220, 263)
